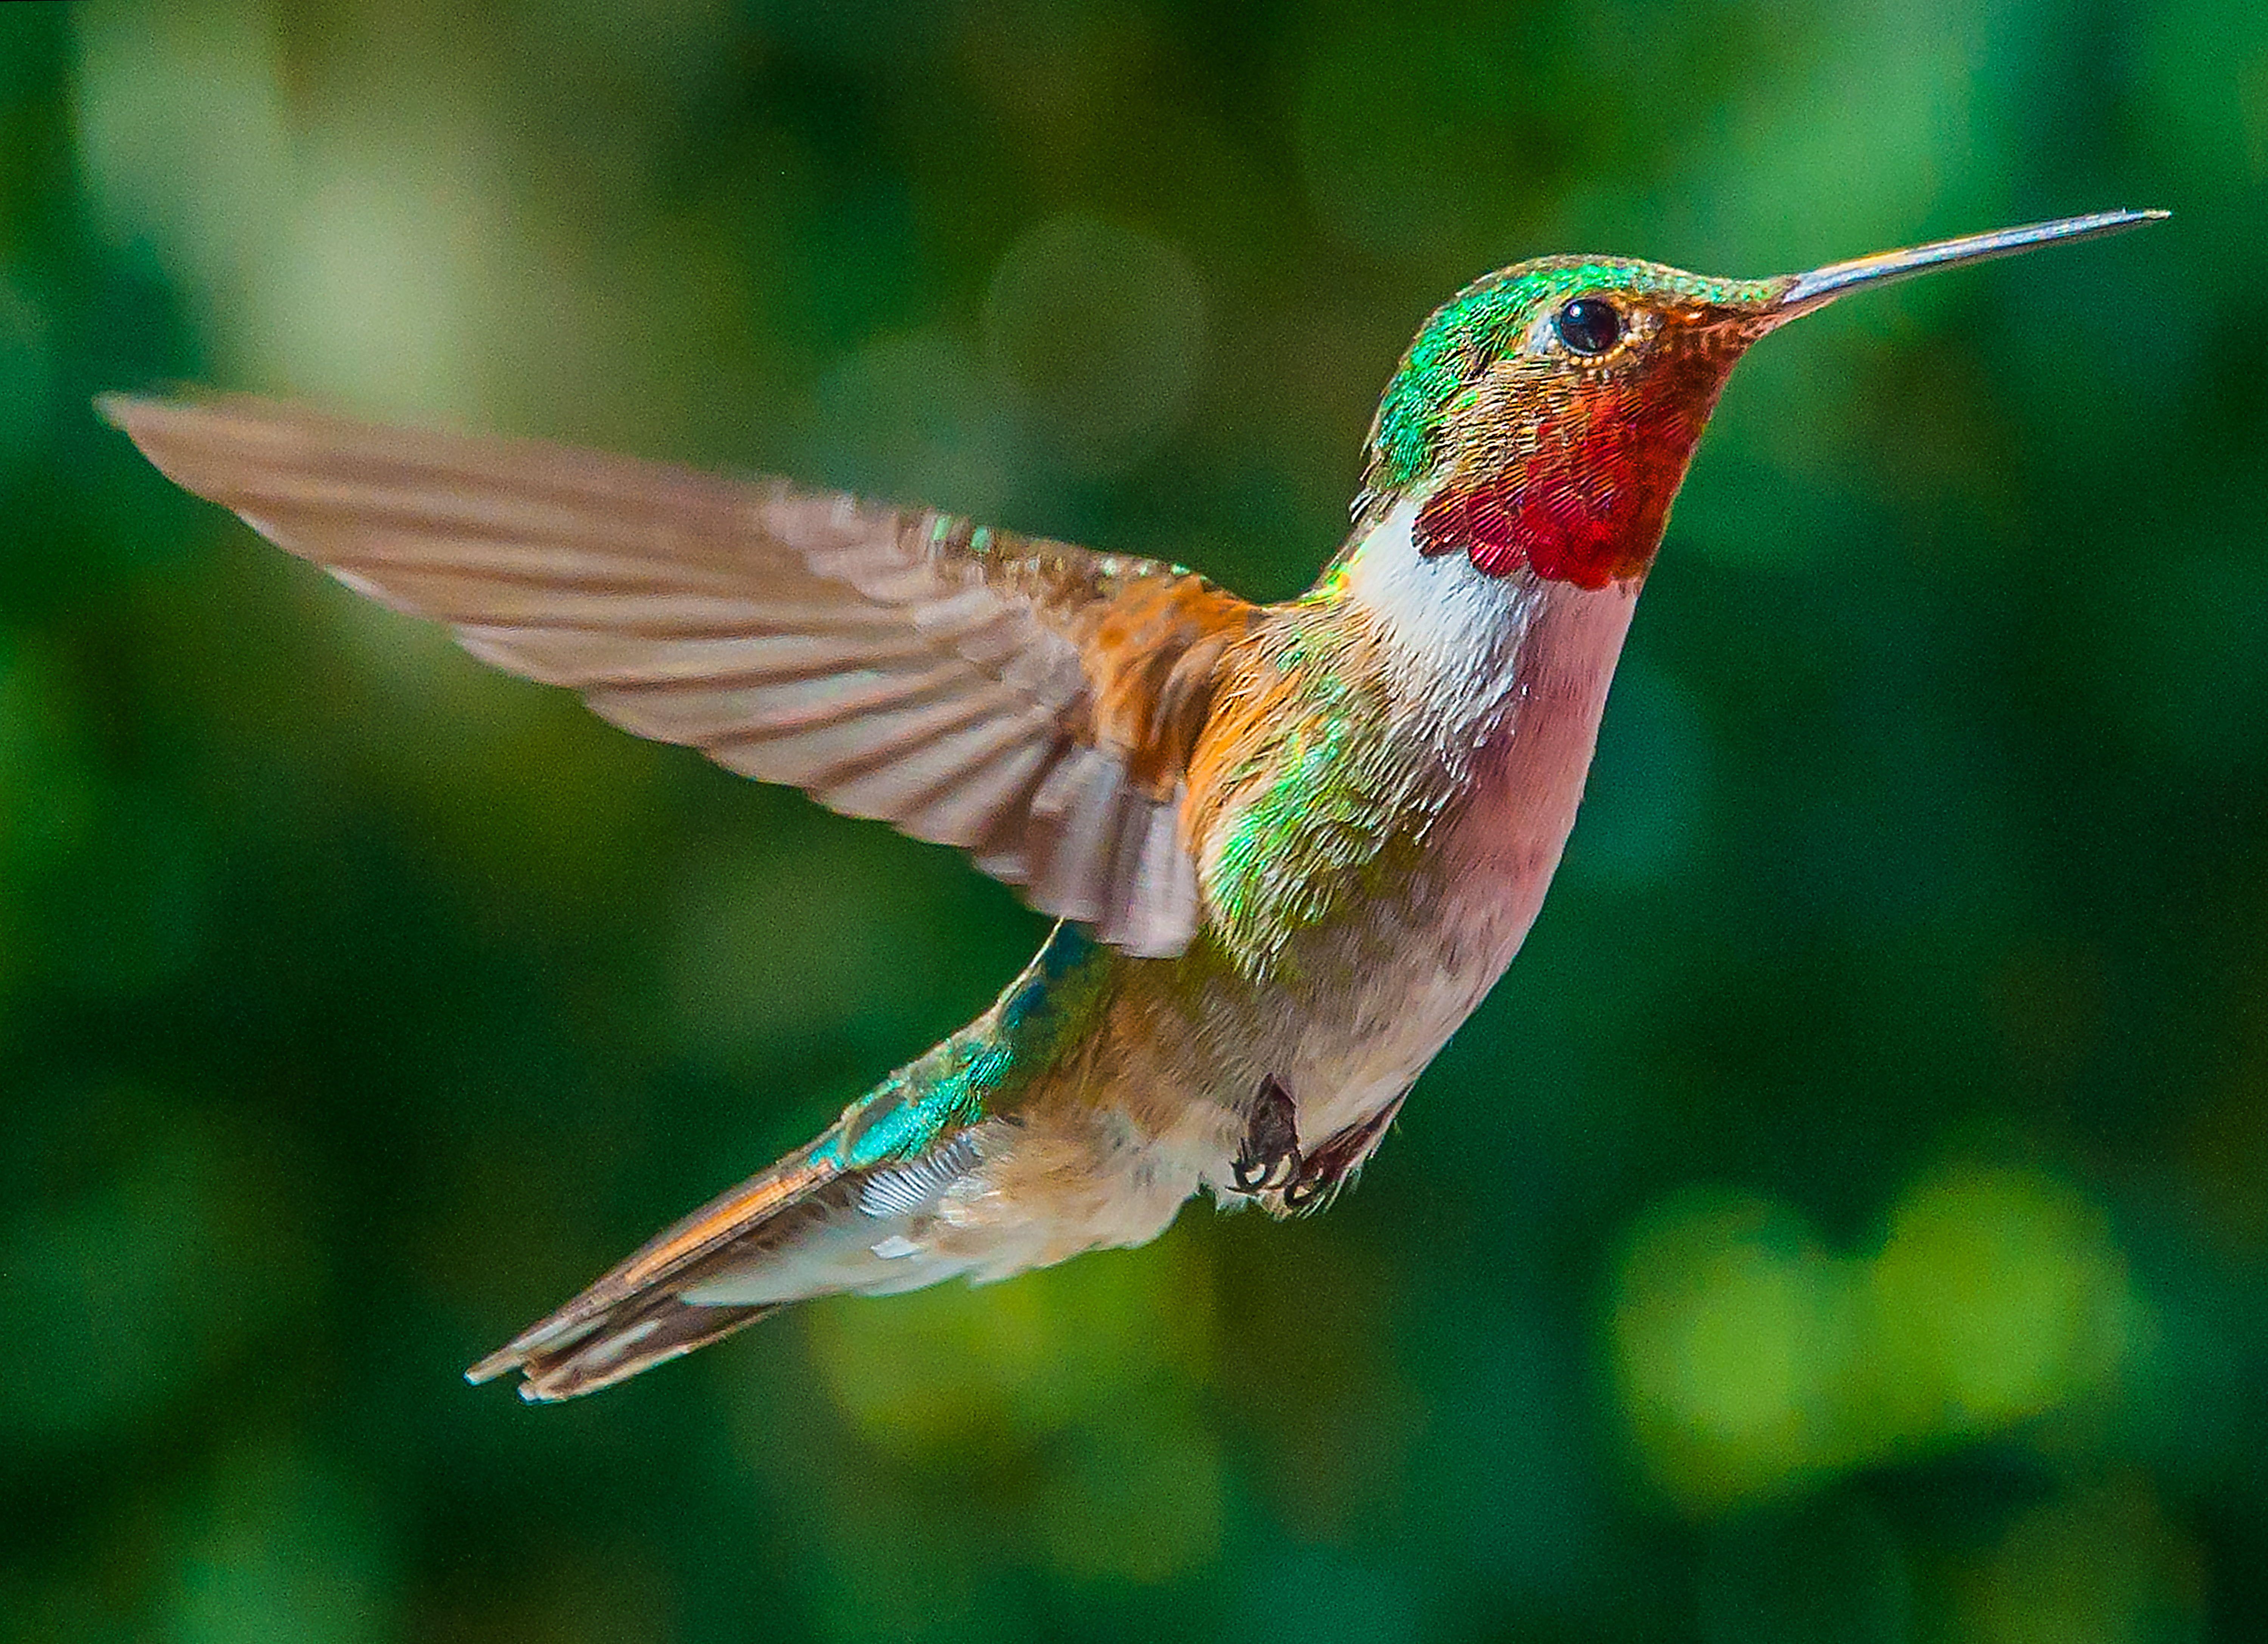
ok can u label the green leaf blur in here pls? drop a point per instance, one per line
(1849, 1222)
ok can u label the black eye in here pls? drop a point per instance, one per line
(1589, 325)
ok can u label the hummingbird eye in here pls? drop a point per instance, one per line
(1589, 325)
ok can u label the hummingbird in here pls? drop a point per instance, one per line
(1289, 847)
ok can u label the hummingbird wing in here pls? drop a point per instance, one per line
(1032, 702)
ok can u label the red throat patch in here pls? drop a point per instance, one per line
(1587, 501)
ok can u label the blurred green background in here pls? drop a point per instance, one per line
(1850, 1221)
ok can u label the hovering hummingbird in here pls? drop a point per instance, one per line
(1289, 847)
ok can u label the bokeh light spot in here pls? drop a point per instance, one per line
(1749, 1359)
(1082, 1377)
(1097, 332)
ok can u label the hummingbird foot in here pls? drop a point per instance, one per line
(1271, 1159)
(1336, 1162)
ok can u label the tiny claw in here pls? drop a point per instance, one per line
(1271, 1157)
(1332, 1165)
(1263, 1176)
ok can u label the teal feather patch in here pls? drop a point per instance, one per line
(980, 1071)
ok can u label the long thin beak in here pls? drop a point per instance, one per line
(1807, 291)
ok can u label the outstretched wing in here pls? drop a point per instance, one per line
(1032, 702)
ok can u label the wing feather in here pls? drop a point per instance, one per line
(1027, 701)
(588, 662)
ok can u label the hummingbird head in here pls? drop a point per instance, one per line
(1544, 416)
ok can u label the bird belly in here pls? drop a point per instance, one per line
(1413, 974)
(1409, 968)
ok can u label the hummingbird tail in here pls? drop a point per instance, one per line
(631, 1338)
(916, 1183)
(819, 1221)
(639, 1314)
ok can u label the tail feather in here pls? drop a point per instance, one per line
(635, 1316)
(637, 1338)
(855, 1210)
